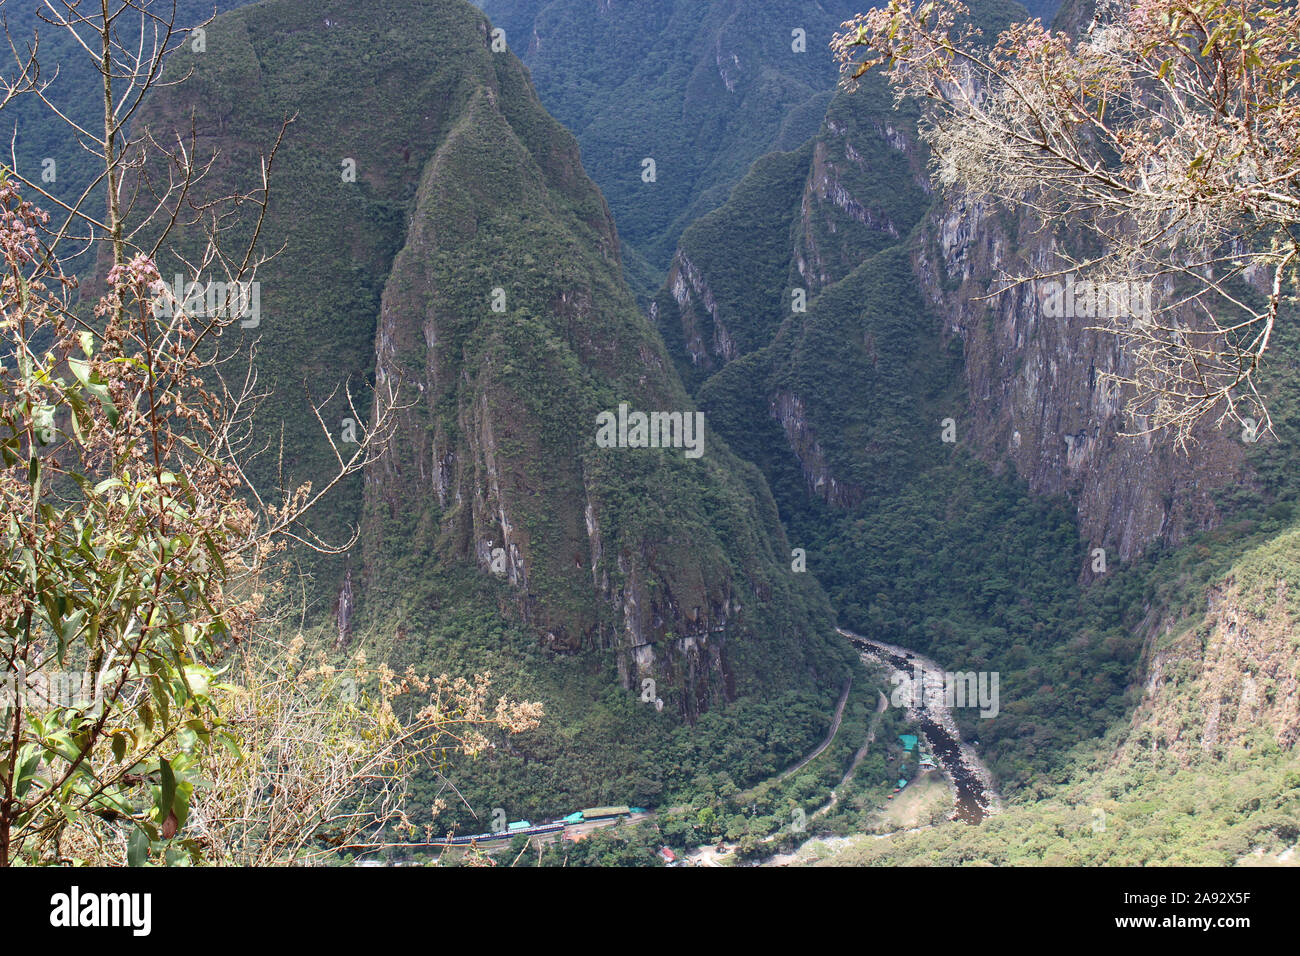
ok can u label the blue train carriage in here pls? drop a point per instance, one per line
(511, 830)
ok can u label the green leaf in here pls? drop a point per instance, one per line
(69, 628)
(27, 772)
(75, 418)
(100, 392)
(106, 484)
(81, 370)
(214, 553)
(232, 745)
(182, 805)
(137, 848)
(60, 743)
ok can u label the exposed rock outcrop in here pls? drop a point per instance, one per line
(1229, 676)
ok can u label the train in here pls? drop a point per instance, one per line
(524, 828)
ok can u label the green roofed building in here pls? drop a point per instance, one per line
(908, 741)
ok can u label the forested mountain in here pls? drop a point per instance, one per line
(827, 318)
(703, 90)
(669, 207)
(838, 302)
(473, 263)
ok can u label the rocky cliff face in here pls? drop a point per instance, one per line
(1036, 401)
(851, 203)
(707, 350)
(1037, 398)
(801, 436)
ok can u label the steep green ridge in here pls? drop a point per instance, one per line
(495, 533)
(703, 89)
(753, 227)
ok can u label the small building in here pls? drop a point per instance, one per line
(908, 741)
(927, 762)
(667, 855)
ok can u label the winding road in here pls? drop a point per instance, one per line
(835, 729)
(857, 759)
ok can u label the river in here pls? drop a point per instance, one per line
(976, 796)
